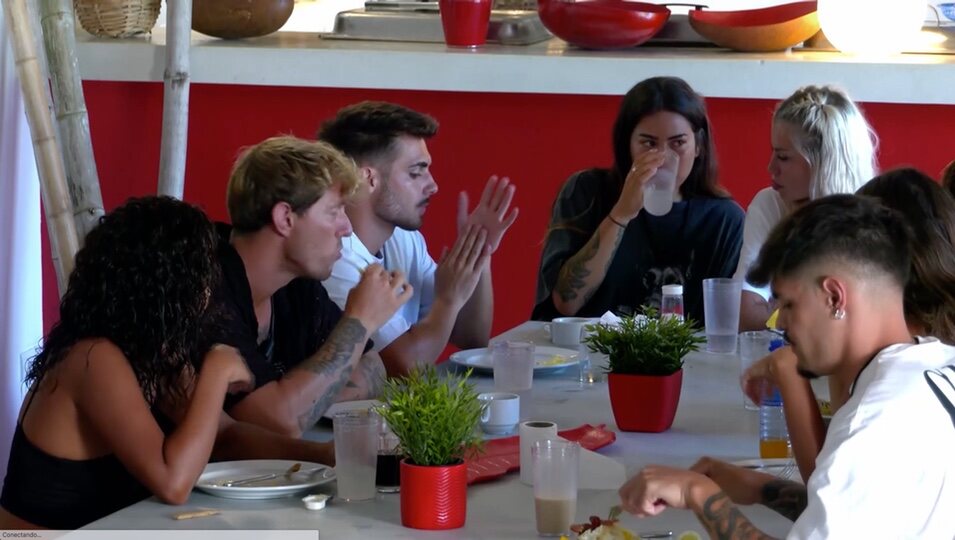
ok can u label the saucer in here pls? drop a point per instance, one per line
(498, 429)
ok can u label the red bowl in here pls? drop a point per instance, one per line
(758, 30)
(602, 24)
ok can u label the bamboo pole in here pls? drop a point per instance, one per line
(59, 39)
(56, 200)
(175, 101)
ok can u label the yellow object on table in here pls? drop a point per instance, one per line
(771, 321)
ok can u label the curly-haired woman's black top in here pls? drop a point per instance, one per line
(58, 493)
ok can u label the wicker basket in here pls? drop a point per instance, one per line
(117, 18)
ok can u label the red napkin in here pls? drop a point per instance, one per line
(502, 456)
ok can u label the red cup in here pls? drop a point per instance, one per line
(465, 22)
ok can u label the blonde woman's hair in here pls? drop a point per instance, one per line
(284, 169)
(833, 136)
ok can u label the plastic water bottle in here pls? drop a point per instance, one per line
(773, 433)
(671, 305)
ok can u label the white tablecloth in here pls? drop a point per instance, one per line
(710, 420)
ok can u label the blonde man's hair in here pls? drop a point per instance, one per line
(833, 136)
(284, 169)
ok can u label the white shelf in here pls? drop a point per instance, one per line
(551, 67)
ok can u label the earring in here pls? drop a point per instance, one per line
(839, 314)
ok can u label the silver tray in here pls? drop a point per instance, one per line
(420, 22)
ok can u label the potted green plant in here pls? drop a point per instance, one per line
(434, 418)
(645, 369)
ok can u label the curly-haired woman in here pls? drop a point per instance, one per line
(90, 438)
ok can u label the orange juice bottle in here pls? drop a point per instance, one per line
(773, 434)
(773, 448)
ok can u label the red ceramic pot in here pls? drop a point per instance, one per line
(645, 402)
(434, 498)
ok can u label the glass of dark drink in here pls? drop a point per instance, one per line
(388, 473)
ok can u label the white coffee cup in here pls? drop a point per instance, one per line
(567, 331)
(500, 412)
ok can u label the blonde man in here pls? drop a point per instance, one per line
(286, 199)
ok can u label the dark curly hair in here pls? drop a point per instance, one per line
(930, 212)
(142, 280)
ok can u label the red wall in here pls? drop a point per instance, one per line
(537, 140)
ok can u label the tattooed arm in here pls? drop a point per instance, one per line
(724, 521)
(294, 403)
(745, 486)
(582, 274)
(656, 488)
(366, 381)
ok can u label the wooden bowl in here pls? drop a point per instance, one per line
(235, 19)
(774, 28)
(602, 24)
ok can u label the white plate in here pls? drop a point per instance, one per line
(357, 405)
(215, 474)
(480, 359)
(779, 467)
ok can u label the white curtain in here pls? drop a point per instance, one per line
(21, 317)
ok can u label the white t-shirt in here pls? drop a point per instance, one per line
(405, 251)
(764, 212)
(887, 468)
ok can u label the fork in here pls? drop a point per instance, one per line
(292, 470)
(787, 472)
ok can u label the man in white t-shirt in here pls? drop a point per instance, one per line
(838, 268)
(452, 299)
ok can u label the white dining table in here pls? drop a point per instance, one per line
(710, 420)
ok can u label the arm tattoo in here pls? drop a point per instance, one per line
(373, 369)
(572, 275)
(371, 377)
(724, 521)
(571, 278)
(785, 497)
(330, 361)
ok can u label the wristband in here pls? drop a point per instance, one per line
(621, 225)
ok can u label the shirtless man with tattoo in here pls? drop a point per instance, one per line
(838, 268)
(286, 199)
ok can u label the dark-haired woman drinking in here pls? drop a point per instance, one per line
(605, 252)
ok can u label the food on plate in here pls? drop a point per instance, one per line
(553, 360)
(608, 532)
(603, 529)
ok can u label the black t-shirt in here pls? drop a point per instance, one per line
(302, 318)
(700, 238)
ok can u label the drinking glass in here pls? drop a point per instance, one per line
(721, 297)
(555, 463)
(356, 453)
